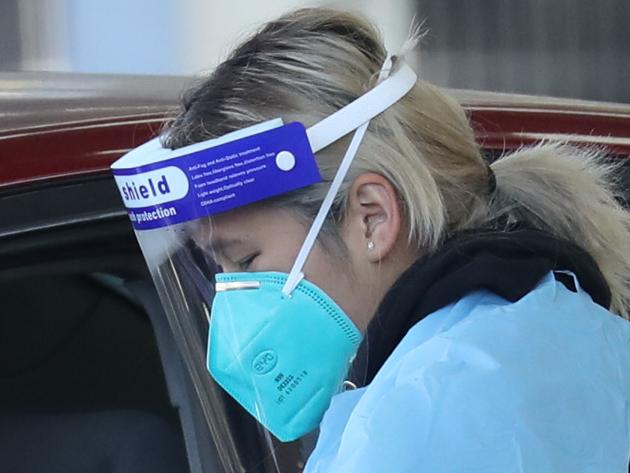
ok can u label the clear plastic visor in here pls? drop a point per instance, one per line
(184, 274)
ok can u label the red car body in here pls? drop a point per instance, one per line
(62, 126)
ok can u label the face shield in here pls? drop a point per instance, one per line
(266, 351)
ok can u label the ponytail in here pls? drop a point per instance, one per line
(573, 194)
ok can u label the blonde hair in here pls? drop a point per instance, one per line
(307, 64)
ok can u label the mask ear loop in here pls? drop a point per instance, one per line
(296, 274)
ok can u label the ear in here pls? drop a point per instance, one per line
(373, 216)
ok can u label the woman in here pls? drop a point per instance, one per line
(490, 300)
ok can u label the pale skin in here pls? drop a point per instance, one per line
(266, 238)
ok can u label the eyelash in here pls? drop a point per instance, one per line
(246, 263)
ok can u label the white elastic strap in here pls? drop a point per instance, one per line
(363, 109)
(296, 274)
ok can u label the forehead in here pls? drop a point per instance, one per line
(246, 224)
(239, 221)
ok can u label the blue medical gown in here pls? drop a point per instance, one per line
(485, 385)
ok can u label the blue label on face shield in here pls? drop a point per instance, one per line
(218, 179)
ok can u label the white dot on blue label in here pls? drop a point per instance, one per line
(285, 160)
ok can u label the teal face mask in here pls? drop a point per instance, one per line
(281, 357)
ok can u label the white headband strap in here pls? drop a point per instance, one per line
(363, 109)
(356, 115)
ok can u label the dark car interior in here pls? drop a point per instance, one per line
(82, 379)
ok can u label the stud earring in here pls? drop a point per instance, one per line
(371, 245)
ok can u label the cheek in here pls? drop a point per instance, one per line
(278, 257)
(335, 277)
